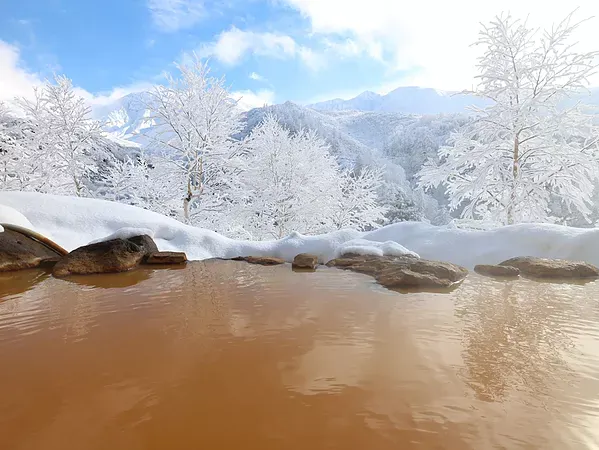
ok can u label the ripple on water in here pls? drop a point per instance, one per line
(264, 357)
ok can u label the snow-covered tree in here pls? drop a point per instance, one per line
(291, 182)
(141, 181)
(358, 199)
(195, 119)
(59, 139)
(9, 151)
(531, 144)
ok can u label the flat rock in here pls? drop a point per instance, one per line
(18, 251)
(496, 271)
(116, 255)
(305, 261)
(261, 260)
(552, 268)
(166, 258)
(403, 271)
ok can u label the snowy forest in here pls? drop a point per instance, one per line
(528, 153)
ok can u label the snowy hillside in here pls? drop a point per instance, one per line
(127, 119)
(372, 120)
(354, 136)
(407, 100)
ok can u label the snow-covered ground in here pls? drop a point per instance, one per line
(72, 222)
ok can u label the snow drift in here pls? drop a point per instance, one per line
(73, 222)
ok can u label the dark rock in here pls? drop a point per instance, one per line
(497, 271)
(305, 261)
(48, 263)
(18, 251)
(166, 258)
(116, 255)
(404, 271)
(552, 268)
(261, 260)
(146, 243)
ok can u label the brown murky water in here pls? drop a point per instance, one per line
(226, 355)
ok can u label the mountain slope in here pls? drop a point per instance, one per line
(407, 100)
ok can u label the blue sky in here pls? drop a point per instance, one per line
(269, 50)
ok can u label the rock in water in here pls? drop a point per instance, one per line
(116, 255)
(305, 261)
(497, 271)
(146, 243)
(403, 271)
(166, 258)
(552, 268)
(261, 260)
(18, 251)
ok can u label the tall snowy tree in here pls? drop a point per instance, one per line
(291, 181)
(531, 144)
(59, 138)
(195, 120)
(358, 200)
(9, 151)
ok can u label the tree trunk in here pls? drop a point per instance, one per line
(516, 156)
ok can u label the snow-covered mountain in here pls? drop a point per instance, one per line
(354, 136)
(406, 100)
(127, 119)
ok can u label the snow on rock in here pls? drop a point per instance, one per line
(73, 222)
(125, 233)
(369, 247)
(12, 216)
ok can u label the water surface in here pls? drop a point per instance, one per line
(233, 356)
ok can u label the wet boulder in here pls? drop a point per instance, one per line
(552, 268)
(491, 270)
(397, 272)
(115, 255)
(146, 243)
(20, 251)
(166, 258)
(305, 261)
(261, 260)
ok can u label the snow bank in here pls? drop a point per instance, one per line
(12, 216)
(368, 247)
(73, 222)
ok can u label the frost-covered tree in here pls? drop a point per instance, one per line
(9, 151)
(357, 204)
(195, 119)
(58, 139)
(141, 181)
(529, 145)
(291, 182)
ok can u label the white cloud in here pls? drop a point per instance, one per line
(174, 15)
(16, 80)
(231, 46)
(314, 60)
(431, 39)
(249, 99)
(97, 101)
(256, 77)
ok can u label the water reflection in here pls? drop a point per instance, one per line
(231, 355)
(111, 280)
(17, 282)
(514, 335)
